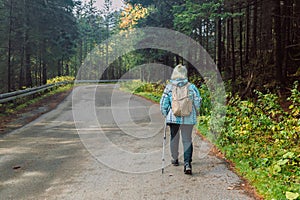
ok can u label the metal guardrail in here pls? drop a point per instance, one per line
(103, 81)
(6, 97)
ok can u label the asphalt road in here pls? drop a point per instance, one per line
(101, 143)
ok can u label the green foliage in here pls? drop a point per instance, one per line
(206, 105)
(152, 97)
(20, 104)
(60, 79)
(154, 90)
(258, 136)
(212, 109)
(188, 16)
(291, 195)
(295, 99)
(263, 140)
(47, 33)
(151, 91)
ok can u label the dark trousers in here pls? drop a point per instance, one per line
(186, 135)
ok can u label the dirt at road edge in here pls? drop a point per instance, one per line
(20, 118)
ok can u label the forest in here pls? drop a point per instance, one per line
(254, 43)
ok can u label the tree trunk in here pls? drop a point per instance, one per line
(36, 75)
(120, 63)
(40, 67)
(254, 33)
(80, 56)
(9, 48)
(59, 72)
(44, 66)
(266, 19)
(27, 54)
(207, 35)
(233, 54)
(260, 18)
(28, 66)
(62, 66)
(200, 32)
(201, 53)
(219, 42)
(26, 47)
(106, 51)
(247, 37)
(228, 45)
(22, 70)
(177, 58)
(287, 11)
(241, 42)
(277, 40)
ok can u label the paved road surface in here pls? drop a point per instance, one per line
(111, 151)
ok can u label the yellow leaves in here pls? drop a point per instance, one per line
(127, 9)
(291, 195)
(131, 15)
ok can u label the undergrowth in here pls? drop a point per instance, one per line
(60, 79)
(151, 91)
(259, 137)
(19, 104)
(263, 141)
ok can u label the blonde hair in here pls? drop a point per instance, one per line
(179, 72)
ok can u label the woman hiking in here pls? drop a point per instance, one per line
(180, 111)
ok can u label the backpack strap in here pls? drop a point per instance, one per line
(197, 112)
(187, 85)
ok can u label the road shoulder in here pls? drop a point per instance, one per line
(11, 122)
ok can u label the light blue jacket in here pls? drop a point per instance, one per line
(166, 102)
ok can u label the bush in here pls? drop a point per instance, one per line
(60, 79)
(258, 136)
(151, 91)
(263, 140)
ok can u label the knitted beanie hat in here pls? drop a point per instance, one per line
(179, 72)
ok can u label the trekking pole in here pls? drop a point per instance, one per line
(164, 144)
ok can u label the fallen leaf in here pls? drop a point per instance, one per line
(291, 195)
(230, 188)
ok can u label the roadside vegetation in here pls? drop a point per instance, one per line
(260, 136)
(61, 79)
(254, 43)
(13, 107)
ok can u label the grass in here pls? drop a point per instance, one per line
(20, 104)
(259, 137)
(150, 96)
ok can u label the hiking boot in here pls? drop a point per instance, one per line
(188, 168)
(175, 162)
